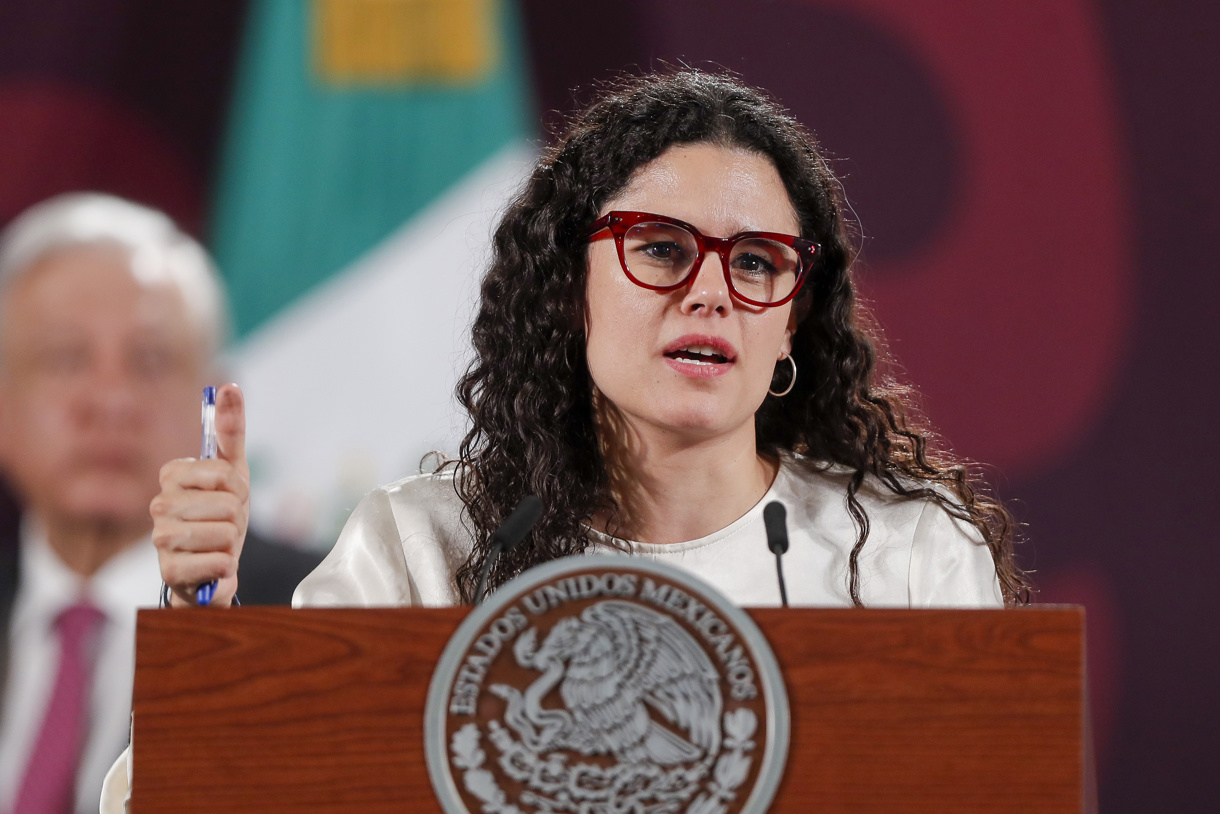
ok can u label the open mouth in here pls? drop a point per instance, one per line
(698, 355)
(700, 350)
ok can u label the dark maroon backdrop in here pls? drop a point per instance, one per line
(124, 96)
(1115, 490)
(1037, 187)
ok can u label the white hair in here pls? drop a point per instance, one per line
(160, 251)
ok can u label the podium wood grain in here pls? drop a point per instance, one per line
(272, 709)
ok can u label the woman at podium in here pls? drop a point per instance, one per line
(668, 339)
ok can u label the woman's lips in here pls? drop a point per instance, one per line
(700, 356)
(698, 370)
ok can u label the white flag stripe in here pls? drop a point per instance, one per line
(349, 386)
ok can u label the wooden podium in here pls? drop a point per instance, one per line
(272, 709)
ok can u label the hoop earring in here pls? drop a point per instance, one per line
(791, 382)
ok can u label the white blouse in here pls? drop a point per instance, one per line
(404, 543)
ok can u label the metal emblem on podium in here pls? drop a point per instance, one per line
(606, 685)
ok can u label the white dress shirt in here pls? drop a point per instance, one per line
(127, 581)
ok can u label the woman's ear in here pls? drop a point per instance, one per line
(794, 319)
(798, 310)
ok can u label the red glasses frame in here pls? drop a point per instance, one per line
(619, 222)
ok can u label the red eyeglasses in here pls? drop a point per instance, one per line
(664, 254)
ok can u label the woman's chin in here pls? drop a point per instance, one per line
(700, 422)
(687, 416)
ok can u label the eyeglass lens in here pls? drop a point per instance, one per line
(662, 254)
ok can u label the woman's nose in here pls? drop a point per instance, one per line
(708, 291)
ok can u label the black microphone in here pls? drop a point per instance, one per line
(775, 518)
(511, 532)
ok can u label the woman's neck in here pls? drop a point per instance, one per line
(671, 489)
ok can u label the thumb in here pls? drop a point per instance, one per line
(231, 424)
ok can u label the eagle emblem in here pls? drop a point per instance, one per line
(605, 685)
(617, 666)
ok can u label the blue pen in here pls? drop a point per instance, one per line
(207, 449)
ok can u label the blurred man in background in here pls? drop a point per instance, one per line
(110, 322)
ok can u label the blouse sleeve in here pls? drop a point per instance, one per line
(367, 567)
(951, 566)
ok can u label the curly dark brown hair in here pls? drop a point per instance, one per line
(528, 391)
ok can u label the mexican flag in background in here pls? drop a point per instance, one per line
(371, 145)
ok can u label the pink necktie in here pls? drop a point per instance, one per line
(49, 786)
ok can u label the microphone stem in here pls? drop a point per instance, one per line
(779, 572)
(485, 571)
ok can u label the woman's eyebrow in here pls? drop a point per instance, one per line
(734, 223)
(750, 227)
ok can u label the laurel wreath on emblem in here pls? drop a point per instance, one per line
(612, 665)
(732, 768)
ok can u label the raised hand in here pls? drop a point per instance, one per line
(200, 517)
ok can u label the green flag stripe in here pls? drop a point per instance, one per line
(315, 174)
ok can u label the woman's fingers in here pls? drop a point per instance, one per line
(210, 475)
(205, 554)
(201, 514)
(219, 506)
(198, 536)
(186, 573)
(191, 553)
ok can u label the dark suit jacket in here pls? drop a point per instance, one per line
(268, 573)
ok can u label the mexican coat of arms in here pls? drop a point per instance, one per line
(606, 685)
